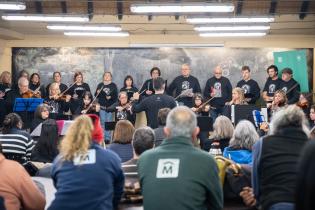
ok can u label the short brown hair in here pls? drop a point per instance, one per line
(244, 68)
(123, 132)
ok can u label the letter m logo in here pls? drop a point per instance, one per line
(167, 168)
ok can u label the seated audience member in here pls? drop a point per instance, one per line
(305, 188)
(2, 207)
(121, 144)
(275, 159)
(222, 132)
(46, 149)
(176, 175)
(241, 143)
(40, 115)
(16, 144)
(85, 175)
(142, 140)
(159, 132)
(17, 188)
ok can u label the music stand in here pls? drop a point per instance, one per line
(26, 104)
(205, 123)
(244, 112)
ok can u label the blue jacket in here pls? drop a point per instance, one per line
(94, 182)
(239, 156)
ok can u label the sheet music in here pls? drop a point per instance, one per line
(233, 113)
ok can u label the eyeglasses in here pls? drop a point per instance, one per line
(45, 110)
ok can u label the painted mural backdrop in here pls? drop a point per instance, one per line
(138, 62)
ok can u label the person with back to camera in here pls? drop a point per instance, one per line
(85, 175)
(176, 175)
(152, 104)
(17, 187)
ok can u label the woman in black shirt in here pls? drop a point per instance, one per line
(77, 91)
(129, 88)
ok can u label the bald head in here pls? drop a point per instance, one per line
(185, 70)
(181, 121)
(217, 72)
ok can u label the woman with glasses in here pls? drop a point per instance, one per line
(40, 115)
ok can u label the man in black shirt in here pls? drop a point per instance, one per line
(220, 89)
(290, 86)
(23, 87)
(272, 84)
(152, 104)
(107, 94)
(250, 86)
(182, 84)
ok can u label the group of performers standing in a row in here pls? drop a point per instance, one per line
(65, 102)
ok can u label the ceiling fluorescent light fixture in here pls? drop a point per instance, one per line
(85, 27)
(46, 18)
(97, 34)
(182, 8)
(250, 34)
(175, 45)
(232, 28)
(232, 20)
(5, 5)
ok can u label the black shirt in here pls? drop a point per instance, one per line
(4, 88)
(62, 88)
(271, 86)
(251, 90)
(129, 91)
(26, 116)
(147, 85)
(57, 108)
(41, 89)
(107, 90)
(277, 168)
(222, 88)
(121, 115)
(77, 92)
(181, 84)
(292, 89)
(151, 105)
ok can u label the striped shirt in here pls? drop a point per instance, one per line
(17, 145)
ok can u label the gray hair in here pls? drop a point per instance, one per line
(181, 121)
(143, 139)
(290, 116)
(223, 128)
(244, 136)
(22, 80)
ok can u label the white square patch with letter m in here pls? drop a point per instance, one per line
(167, 168)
